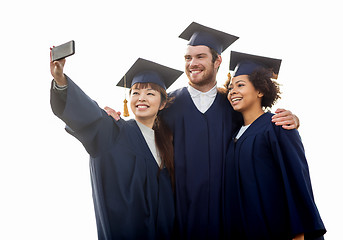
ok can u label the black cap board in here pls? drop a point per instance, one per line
(245, 64)
(145, 71)
(198, 34)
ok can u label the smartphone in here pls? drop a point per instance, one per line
(63, 51)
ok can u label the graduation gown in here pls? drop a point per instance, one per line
(200, 142)
(132, 199)
(268, 193)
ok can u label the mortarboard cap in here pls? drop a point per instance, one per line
(245, 64)
(198, 34)
(144, 71)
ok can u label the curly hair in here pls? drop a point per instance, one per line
(261, 80)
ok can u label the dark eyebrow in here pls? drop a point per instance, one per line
(239, 81)
(198, 55)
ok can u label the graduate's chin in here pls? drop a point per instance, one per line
(237, 109)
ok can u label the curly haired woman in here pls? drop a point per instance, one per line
(267, 193)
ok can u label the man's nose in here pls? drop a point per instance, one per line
(193, 62)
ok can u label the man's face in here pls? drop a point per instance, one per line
(199, 68)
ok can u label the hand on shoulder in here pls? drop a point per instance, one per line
(286, 119)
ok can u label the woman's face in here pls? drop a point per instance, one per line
(145, 103)
(242, 94)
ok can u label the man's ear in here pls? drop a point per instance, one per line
(260, 94)
(218, 62)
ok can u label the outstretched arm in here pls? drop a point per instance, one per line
(85, 120)
(286, 119)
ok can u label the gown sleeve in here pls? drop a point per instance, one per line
(84, 119)
(288, 149)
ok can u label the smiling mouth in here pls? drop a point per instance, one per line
(195, 71)
(235, 100)
(142, 106)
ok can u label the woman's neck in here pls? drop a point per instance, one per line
(147, 122)
(251, 115)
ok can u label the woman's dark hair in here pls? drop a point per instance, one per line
(261, 80)
(163, 134)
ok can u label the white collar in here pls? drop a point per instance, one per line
(149, 136)
(203, 100)
(146, 131)
(241, 131)
(195, 92)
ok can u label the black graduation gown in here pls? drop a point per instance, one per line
(268, 193)
(132, 199)
(200, 142)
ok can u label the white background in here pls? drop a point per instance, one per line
(44, 176)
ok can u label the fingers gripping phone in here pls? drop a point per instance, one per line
(63, 51)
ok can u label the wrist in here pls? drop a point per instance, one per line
(58, 87)
(61, 81)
